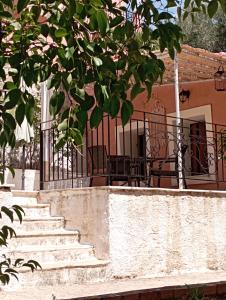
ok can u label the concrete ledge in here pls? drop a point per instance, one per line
(141, 190)
(211, 283)
(6, 187)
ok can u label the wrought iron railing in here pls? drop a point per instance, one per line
(151, 150)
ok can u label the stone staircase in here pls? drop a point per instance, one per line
(43, 238)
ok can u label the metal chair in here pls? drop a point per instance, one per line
(159, 171)
(113, 167)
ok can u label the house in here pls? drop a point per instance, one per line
(152, 149)
(140, 231)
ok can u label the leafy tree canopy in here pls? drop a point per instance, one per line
(206, 33)
(81, 46)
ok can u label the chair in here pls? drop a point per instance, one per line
(160, 172)
(113, 167)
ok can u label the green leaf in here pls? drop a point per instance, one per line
(7, 212)
(9, 85)
(61, 141)
(76, 136)
(72, 7)
(170, 3)
(126, 112)
(8, 3)
(212, 8)
(185, 15)
(149, 88)
(114, 107)
(18, 210)
(21, 4)
(136, 89)
(55, 81)
(223, 5)
(13, 97)
(88, 103)
(116, 21)
(29, 112)
(146, 34)
(186, 3)
(61, 32)
(18, 262)
(20, 113)
(5, 14)
(102, 21)
(96, 117)
(45, 30)
(165, 16)
(9, 120)
(63, 125)
(198, 2)
(56, 103)
(98, 62)
(35, 263)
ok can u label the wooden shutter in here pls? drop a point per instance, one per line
(199, 159)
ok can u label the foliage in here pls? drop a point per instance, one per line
(89, 52)
(8, 267)
(212, 31)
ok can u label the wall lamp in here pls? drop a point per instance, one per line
(220, 79)
(184, 95)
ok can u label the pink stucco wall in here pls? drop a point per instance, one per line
(202, 93)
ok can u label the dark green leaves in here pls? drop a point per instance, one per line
(62, 32)
(63, 125)
(56, 103)
(20, 113)
(8, 3)
(116, 21)
(212, 8)
(96, 58)
(96, 117)
(126, 111)
(136, 89)
(21, 4)
(13, 97)
(32, 264)
(102, 21)
(9, 120)
(75, 136)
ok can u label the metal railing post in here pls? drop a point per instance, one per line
(41, 159)
(178, 124)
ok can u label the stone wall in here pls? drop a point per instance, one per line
(147, 232)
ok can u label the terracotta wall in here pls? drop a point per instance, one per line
(202, 93)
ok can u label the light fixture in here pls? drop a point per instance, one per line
(184, 95)
(220, 79)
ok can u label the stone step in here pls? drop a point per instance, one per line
(25, 197)
(36, 210)
(64, 253)
(37, 224)
(21, 193)
(24, 201)
(45, 238)
(91, 270)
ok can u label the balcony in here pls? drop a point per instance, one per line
(152, 150)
